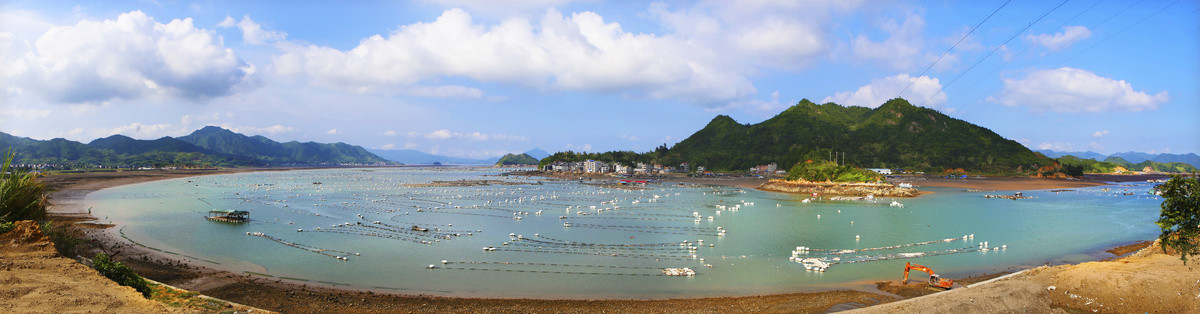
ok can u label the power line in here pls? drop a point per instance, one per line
(1096, 44)
(960, 40)
(1056, 50)
(990, 53)
(1027, 48)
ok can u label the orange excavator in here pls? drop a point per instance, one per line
(934, 279)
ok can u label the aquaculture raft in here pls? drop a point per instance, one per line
(228, 216)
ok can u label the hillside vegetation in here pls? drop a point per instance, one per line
(895, 135)
(210, 146)
(513, 159)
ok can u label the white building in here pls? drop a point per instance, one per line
(883, 171)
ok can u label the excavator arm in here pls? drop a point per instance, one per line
(934, 279)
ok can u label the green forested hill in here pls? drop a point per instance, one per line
(259, 147)
(894, 135)
(513, 159)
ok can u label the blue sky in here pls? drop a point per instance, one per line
(482, 78)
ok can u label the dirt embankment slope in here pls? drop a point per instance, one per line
(1146, 282)
(35, 279)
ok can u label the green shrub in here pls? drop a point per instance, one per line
(22, 195)
(831, 171)
(6, 226)
(66, 240)
(120, 273)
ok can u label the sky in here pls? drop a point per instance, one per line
(477, 79)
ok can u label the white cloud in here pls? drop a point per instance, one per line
(1075, 90)
(584, 148)
(388, 146)
(410, 145)
(439, 134)
(1100, 134)
(252, 32)
(579, 52)
(924, 90)
(473, 136)
(23, 114)
(130, 57)
(274, 129)
(445, 91)
(502, 9)
(139, 130)
(1059, 40)
(333, 132)
(630, 137)
(1057, 146)
(900, 50)
(389, 133)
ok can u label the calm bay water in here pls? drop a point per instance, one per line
(615, 249)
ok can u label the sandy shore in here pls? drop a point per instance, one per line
(273, 294)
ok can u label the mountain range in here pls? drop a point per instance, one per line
(209, 146)
(1131, 157)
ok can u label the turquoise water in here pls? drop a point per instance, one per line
(615, 250)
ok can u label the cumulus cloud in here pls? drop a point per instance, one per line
(924, 90)
(1100, 134)
(388, 146)
(579, 52)
(389, 133)
(130, 57)
(252, 32)
(333, 132)
(1074, 90)
(1059, 40)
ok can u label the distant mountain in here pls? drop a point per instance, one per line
(1110, 164)
(259, 147)
(894, 135)
(1130, 157)
(511, 159)
(415, 157)
(537, 153)
(210, 146)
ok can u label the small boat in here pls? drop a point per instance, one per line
(228, 216)
(679, 272)
(418, 228)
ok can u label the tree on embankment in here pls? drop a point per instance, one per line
(1180, 216)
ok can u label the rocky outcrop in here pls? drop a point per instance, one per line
(835, 188)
